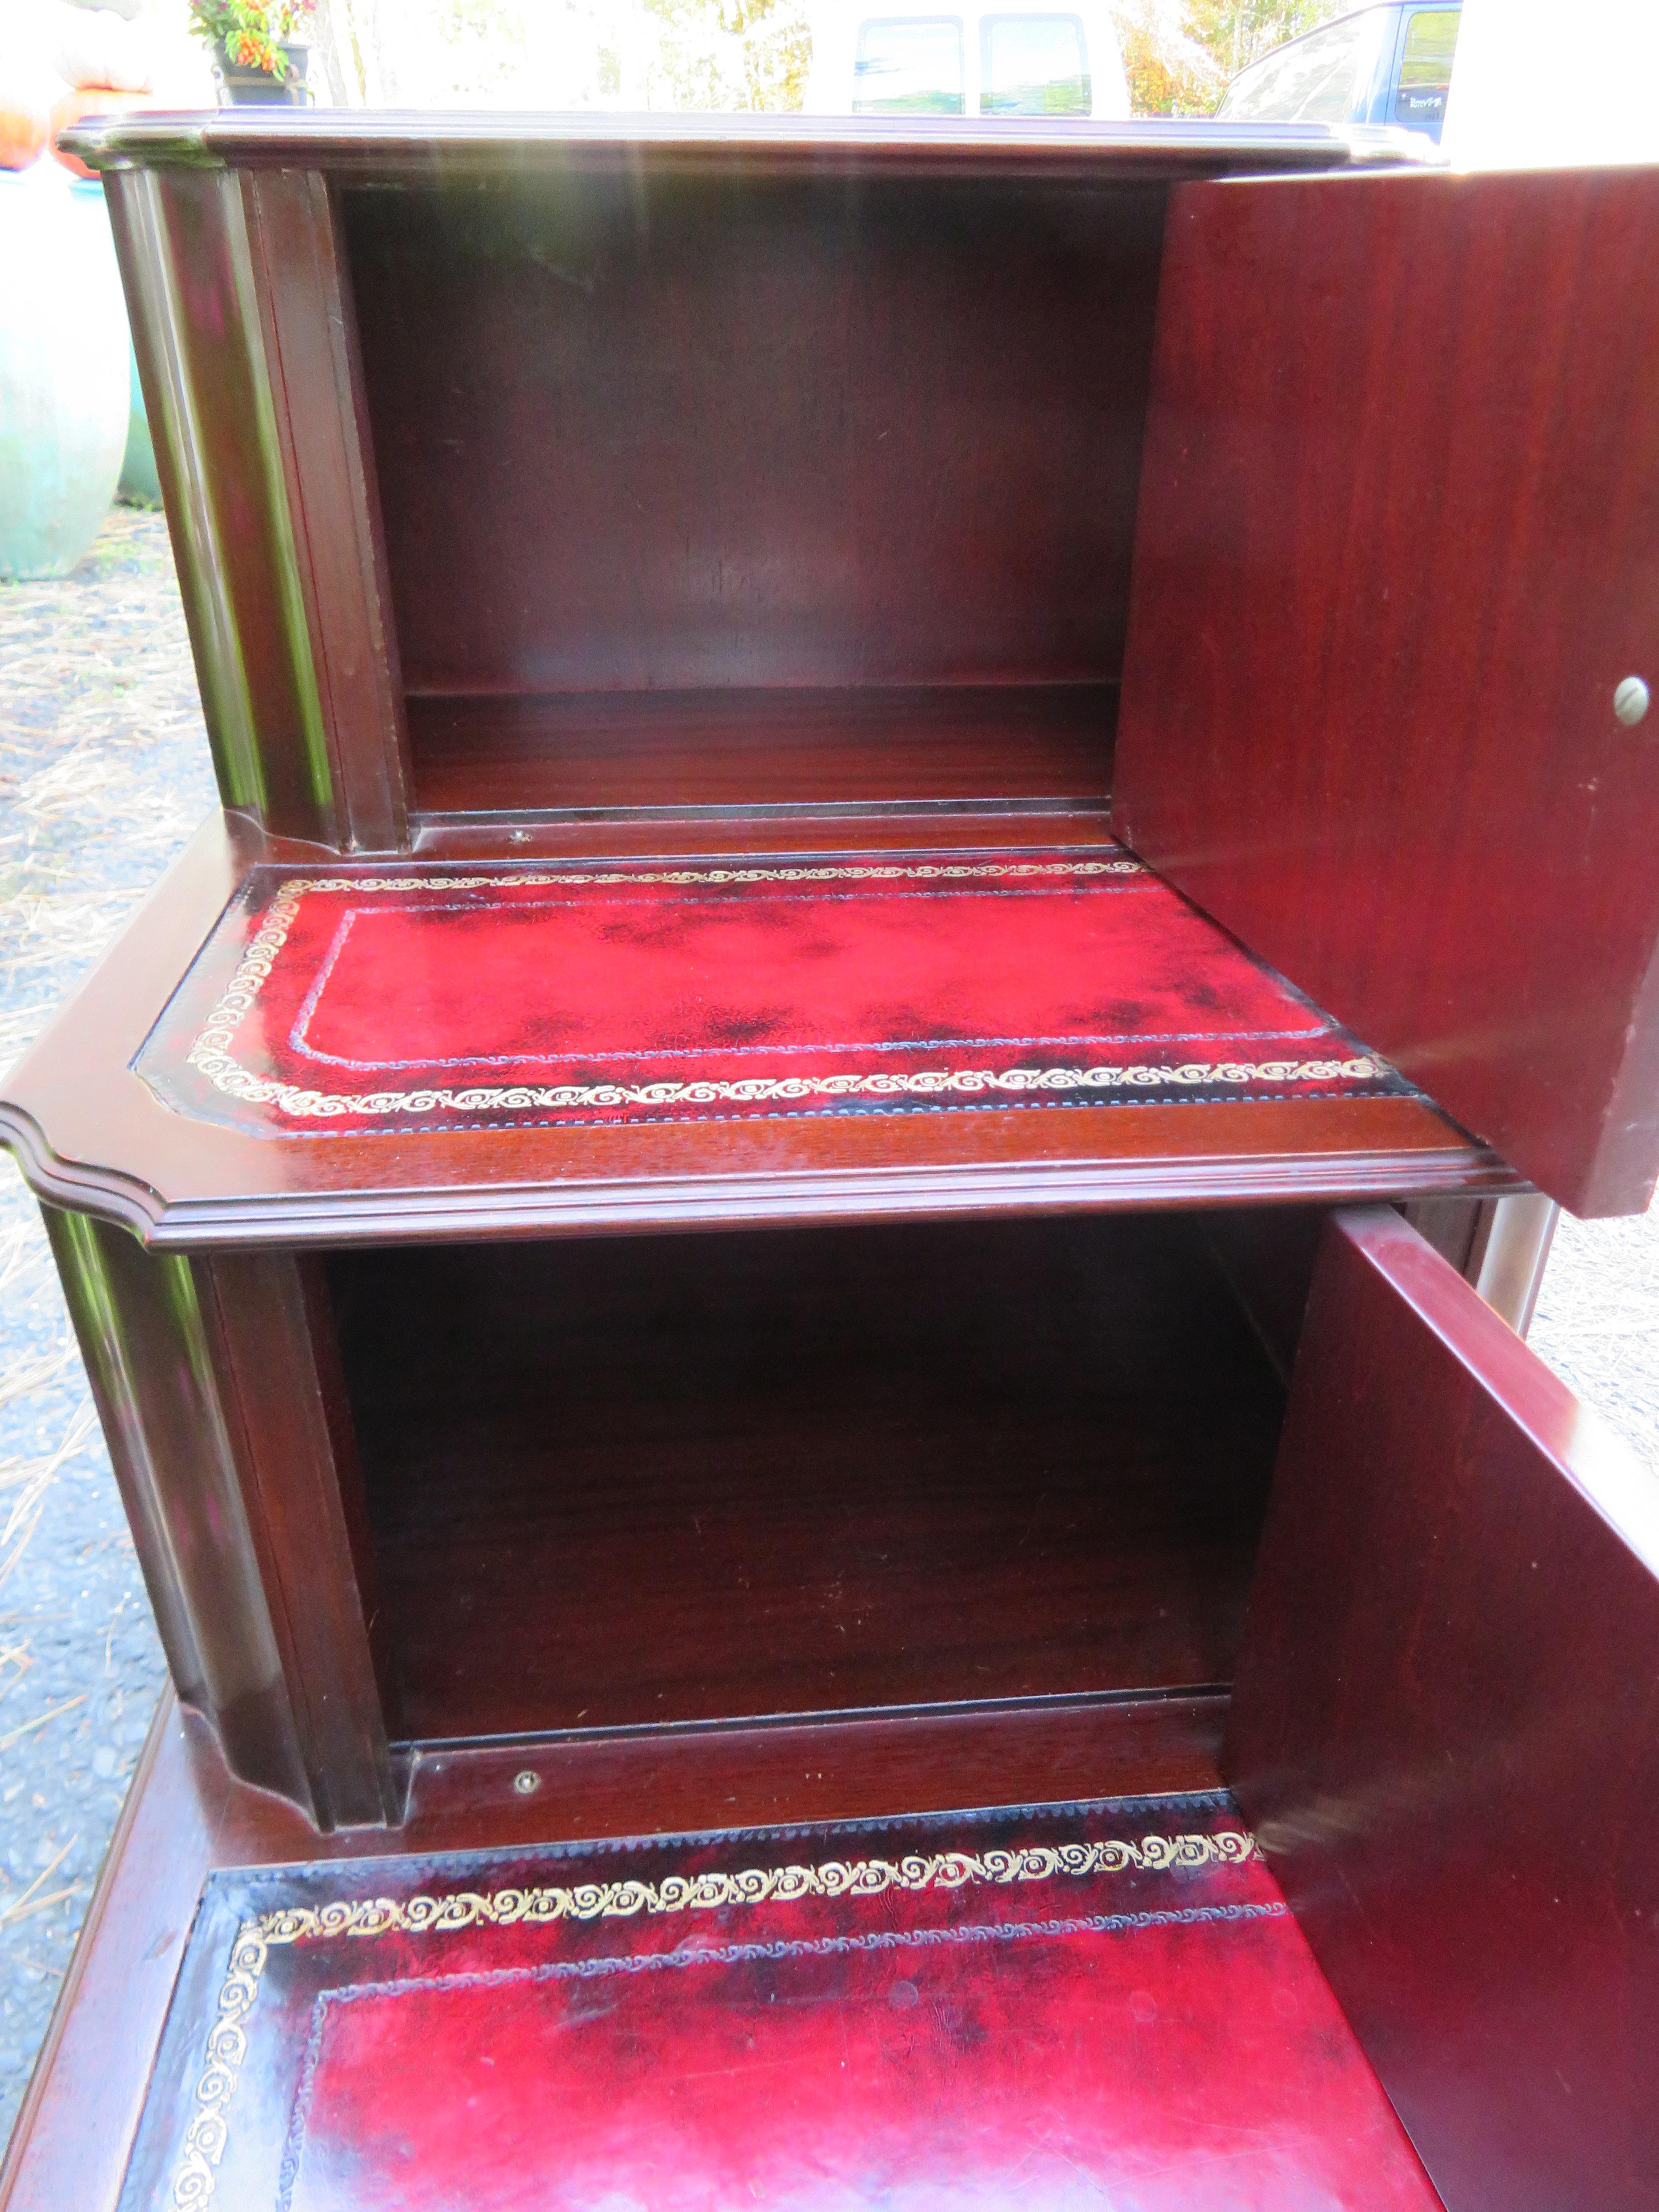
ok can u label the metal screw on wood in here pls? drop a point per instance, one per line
(1631, 701)
(526, 1783)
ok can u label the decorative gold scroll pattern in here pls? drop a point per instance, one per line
(788, 1885)
(213, 1054)
(196, 2175)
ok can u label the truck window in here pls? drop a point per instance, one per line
(1310, 81)
(1426, 68)
(1033, 65)
(909, 66)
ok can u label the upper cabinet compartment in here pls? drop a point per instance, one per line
(1398, 550)
(524, 472)
(724, 490)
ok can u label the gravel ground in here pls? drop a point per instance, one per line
(1597, 1322)
(103, 774)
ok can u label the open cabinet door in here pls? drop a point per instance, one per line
(1397, 547)
(1445, 1730)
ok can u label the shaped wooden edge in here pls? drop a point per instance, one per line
(92, 1137)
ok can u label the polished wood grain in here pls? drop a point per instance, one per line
(183, 240)
(736, 749)
(530, 353)
(307, 326)
(1445, 1730)
(276, 1362)
(218, 1385)
(681, 435)
(1398, 543)
(144, 1322)
(804, 1471)
(92, 1137)
(1024, 1461)
(868, 1763)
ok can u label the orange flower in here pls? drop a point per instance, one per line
(251, 52)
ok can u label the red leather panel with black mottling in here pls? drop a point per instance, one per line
(1063, 2006)
(658, 992)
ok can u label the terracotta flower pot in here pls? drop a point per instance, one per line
(239, 86)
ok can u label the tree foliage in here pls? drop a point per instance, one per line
(1181, 54)
(742, 55)
(723, 55)
(1236, 31)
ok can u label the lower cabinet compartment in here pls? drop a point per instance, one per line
(654, 1502)
(629, 1482)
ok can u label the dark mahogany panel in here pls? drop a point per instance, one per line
(1445, 1730)
(687, 433)
(879, 744)
(616, 1481)
(1398, 543)
(216, 1381)
(219, 428)
(310, 361)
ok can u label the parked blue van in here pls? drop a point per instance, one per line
(1391, 63)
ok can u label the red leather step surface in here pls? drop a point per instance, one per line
(1056, 2008)
(431, 1000)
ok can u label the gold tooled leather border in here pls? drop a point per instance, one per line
(195, 2176)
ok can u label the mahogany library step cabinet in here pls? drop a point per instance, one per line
(937, 845)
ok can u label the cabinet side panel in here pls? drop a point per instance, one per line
(269, 1323)
(1445, 1730)
(139, 1321)
(1398, 546)
(310, 335)
(192, 295)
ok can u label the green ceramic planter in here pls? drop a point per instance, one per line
(65, 369)
(140, 485)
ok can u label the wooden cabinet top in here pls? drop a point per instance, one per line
(434, 142)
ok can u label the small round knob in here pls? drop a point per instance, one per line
(1631, 701)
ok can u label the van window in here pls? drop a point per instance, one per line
(1033, 65)
(909, 66)
(1426, 68)
(1310, 81)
